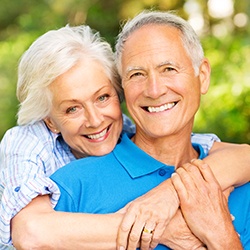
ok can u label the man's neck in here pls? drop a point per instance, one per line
(172, 150)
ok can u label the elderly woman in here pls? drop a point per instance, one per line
(69, 96)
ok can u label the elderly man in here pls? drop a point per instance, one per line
(164, 73)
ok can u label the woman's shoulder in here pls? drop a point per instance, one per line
(29, 129)
(26, 136)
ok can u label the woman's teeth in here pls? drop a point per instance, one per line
(161, 108)
(97, 136)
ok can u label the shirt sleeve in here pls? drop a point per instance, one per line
(67, 202)
(128, 125)
(23, 176)
(205, 140)
(245, 239)
(239, 205)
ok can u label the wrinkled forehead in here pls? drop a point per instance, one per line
(152, 36)
(156, 31)
(153, 42)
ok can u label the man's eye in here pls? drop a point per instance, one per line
(168, 69)
(136, 74)
(71, 110)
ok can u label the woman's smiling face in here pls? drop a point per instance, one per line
(86, 109)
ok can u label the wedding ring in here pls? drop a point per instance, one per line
(145, 230)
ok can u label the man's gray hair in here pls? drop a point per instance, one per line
(190, 39)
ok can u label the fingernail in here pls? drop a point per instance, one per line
(121, 248)
(233, 218)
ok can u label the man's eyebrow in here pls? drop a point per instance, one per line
(166, 63)
(132, 68)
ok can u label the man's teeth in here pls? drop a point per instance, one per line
(161, 108)
(97, 136)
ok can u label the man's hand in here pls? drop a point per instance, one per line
(178, 235)
(204, 206)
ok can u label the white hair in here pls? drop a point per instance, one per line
(51, 55)
(190, 39)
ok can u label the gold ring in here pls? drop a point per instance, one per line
(145, 230)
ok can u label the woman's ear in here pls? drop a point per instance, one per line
(204, 75)
(51, 125)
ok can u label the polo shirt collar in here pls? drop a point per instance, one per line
(137, 162)
(134, 160)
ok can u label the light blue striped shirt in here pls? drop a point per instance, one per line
(29, 155)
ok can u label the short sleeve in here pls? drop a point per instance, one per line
(128, 126)
(205, 140)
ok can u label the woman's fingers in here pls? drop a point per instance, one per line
(150, 212)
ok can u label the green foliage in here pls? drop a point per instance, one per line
(224, 109)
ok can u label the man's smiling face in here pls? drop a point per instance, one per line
(161, 89)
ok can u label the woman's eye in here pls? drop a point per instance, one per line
(103, 98)
(71, 110)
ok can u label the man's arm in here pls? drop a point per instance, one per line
(178, 235)
(205, 207)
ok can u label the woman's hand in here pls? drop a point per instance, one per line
(146, 217)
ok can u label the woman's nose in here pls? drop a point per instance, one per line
(94, 117)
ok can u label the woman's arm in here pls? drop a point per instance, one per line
(39, 226)
(27, 160)
(230, 163)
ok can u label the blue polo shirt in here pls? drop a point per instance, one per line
(107, 183)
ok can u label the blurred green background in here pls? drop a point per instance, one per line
(223, 26)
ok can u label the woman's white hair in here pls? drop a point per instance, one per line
(190, 39)
(51, 55)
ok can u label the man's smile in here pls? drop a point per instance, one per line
(161, 108)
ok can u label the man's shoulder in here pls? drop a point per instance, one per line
(239, 206)
(243, 190)
(87, 166)
(239, 201)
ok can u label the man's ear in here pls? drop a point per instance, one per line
(204, 75)
(51, 125)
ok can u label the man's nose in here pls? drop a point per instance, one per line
(155, 86)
